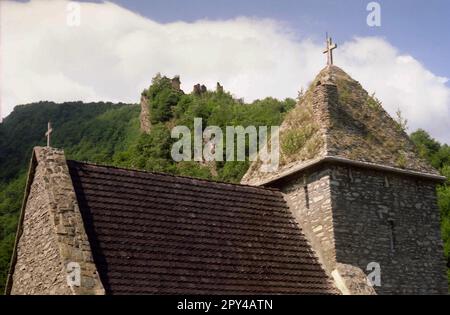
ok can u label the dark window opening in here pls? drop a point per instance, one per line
(306, 196)
(392, 235)
(350, 176)
(387, 184)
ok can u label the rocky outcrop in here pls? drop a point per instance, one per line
(219, 88)
(199, 89)
(145, 115)
(176, 83)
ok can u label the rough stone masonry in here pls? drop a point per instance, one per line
(355, 204)
(354, 216)
(52, 234)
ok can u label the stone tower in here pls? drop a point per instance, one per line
(354, 182)
(176, 83)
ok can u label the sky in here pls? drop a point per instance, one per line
(255, 48)
(417, 27)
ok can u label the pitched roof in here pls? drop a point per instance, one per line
(158, 233)
(337, 118)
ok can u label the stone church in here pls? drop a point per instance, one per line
(351, 201)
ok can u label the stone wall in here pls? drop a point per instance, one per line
(391, 220)
(309, 199)
(52, 234)
(354, 216)
(39, 268)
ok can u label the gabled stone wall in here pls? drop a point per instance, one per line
(391, 220)
(39, 268)
(309, 199)
(51, 238)
(354, 216)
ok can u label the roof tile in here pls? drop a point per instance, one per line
(154, 233)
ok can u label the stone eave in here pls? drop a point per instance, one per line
(341, 160)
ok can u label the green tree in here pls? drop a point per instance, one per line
(162, 97)
(426, 145)
(439, 156)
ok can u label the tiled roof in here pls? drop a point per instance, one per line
(161, 234)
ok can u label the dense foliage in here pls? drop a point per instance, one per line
(439, 156)
(107, 133)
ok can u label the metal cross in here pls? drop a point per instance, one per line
(329, 50)
(47, 134)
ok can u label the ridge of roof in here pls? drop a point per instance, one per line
(173, 175)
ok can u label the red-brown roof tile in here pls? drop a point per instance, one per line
(161, 234)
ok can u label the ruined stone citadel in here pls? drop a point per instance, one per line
(350, 193)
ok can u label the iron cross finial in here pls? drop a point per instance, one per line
(329, 50)
(47, 134)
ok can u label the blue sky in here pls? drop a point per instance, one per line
(417, 27)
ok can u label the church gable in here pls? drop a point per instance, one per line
(38, 243)
(51, 244)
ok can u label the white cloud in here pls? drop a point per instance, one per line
(114, 53)
(400, 82)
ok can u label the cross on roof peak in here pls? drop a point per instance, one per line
(329, 50)
(47, 134)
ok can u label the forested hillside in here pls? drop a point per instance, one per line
(110, 134)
